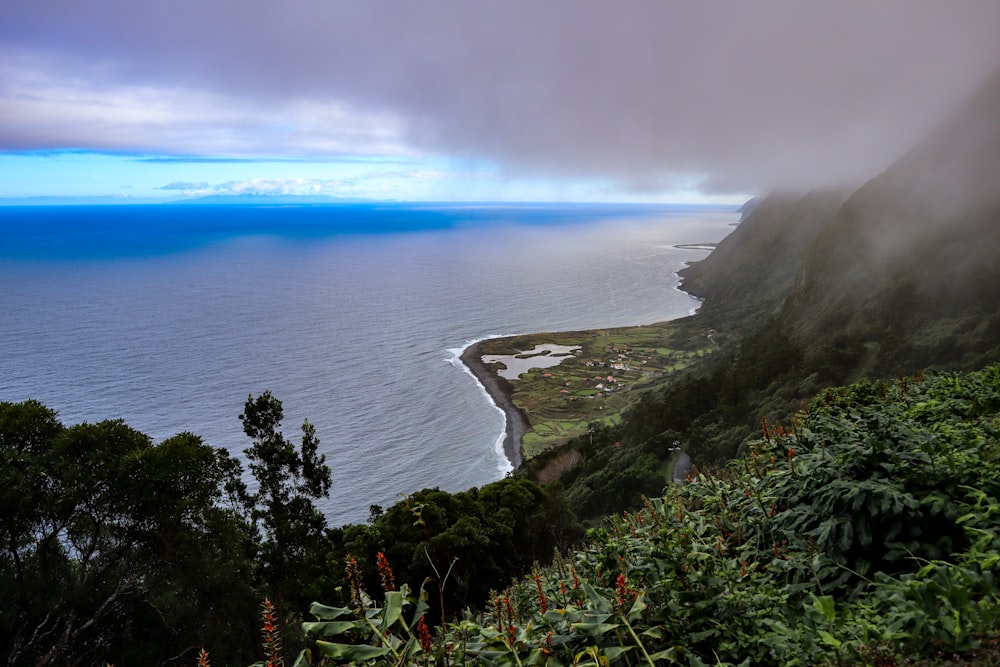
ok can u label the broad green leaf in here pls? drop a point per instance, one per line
(846, 536)
(829, 639)
(331, 628)
(638, 607)
(488, 654)
(325, 613)
(665, 655)
(614, 652)
(595, 629)
(826, 606)
(351, 652)
(600, 604)
(393, 609)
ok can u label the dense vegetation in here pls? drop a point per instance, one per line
(117, 550)
(867, 531)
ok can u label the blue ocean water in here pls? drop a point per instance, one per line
(170, 316)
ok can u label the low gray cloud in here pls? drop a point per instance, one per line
(651, 94)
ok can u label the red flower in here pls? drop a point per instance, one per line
(271, 638)
(424, 634)
(542, 602)
(623, 593)
(353, 573)
(384, 571)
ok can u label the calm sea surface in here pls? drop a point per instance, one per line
(353, 315)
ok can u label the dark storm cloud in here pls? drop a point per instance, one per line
(731, 95)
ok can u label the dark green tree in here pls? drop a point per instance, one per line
(295, 542)
(114, 549)
(463, 545)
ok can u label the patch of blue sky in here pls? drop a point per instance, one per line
(69, 174)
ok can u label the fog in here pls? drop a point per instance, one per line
(651, 95)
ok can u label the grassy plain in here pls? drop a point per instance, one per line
(600, 380)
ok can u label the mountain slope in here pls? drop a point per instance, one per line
(907, 265)
(754, 269)
(902, 271)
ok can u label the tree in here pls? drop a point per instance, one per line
(295, 540)
(113, 549)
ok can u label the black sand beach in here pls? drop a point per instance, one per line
(500, 390)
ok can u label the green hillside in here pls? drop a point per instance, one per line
(865, 531)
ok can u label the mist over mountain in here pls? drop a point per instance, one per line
(902, 271)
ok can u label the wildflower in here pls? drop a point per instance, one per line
(511, 634)
(424, 634)
(650, 508)
(353, 573)
(385, 572)
(774, 546)
(624, 594)
(270, 636)
(498, 611)
(767, 432)
(543, 604)
(203, 658)
(743, 569)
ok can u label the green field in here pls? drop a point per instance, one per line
(598, 381)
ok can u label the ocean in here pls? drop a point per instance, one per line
(353, 315)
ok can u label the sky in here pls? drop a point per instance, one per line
(582, 100)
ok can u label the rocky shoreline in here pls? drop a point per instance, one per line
(501, 392)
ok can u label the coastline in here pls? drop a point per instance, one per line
(500, 392)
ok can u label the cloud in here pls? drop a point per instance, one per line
(651, 94)
(54, 103)
(184, 185)
(362, 184)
